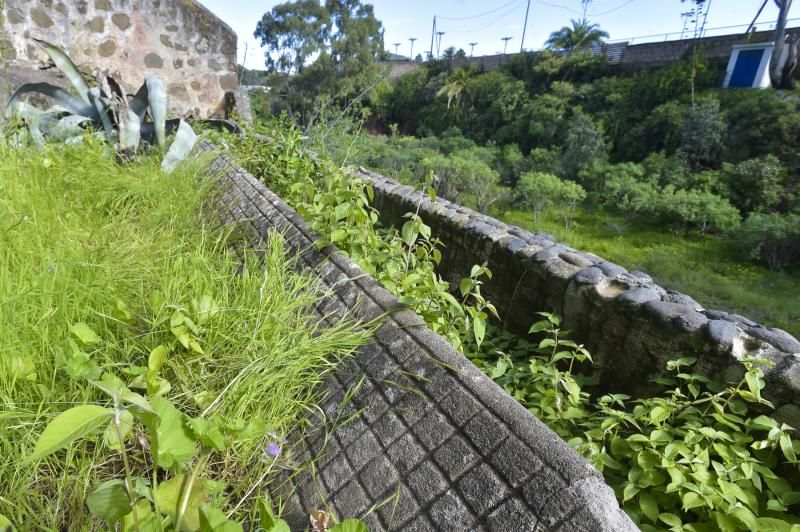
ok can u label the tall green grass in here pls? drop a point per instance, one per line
(711, 270)
(120, 248)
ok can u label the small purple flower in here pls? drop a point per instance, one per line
(273, 449)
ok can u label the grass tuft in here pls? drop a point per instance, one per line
(121, 249)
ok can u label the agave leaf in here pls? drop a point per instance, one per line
(36, 135)
(114, 89)
(128, 130)
(67, 127)
(138, 103)
(157, 98)
(67, 100)
(65, 65)
(181, 147)
(148, 130)
(101, 105)
(24, 111)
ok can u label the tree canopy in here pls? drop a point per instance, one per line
(581, 36)
(321, 55)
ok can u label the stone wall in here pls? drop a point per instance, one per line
(431, 443)
(631, 325)
(179, 41)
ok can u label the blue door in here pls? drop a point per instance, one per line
(746, 68)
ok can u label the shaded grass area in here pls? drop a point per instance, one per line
(710, 269)
(121, 249)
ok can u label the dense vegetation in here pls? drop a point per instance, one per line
(693, 458)
(146, 370)
(651, 164)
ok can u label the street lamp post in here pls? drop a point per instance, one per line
(471, 48)
(396, 46)
(411, 53)
(439, 43)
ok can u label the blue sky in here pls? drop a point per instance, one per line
(487, 22)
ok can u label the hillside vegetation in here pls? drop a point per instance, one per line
(657, 170)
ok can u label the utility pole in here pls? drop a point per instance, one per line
(411, 53)
(433, 34)
(396, 46)
(471, 48)
(585, 4)
(505, 45)
(439, 43)
(524, 27)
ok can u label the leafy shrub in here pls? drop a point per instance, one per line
(540, 191)
(755, 185)
(699, 208)
(584, 143)
(546, 160)
(663, 128)
(464, 177)
(624, 191)
(694, 457)
(703, 133)
(771, 238)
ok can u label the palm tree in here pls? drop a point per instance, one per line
(581, 36)
(455, 86)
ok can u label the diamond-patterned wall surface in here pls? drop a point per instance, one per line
(432, 443)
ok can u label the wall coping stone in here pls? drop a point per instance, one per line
(441, 441)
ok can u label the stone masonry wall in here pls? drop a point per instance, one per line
(179, 41)
(631, 325)
(433, 443)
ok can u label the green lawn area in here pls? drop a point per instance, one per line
(104, 264)
(710, 269)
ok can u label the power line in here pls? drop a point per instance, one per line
(484, 14)
(613, 9)
(488, 24)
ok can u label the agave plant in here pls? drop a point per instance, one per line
(125, 122)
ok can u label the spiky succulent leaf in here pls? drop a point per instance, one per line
(148, 130)
(129, 130)
(65, 65)
(67, 127)
(138, 103)
(157, 98)
(102, 106)
(65, 99)
(181, 146)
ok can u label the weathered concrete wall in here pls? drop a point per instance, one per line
(178, 40)
(434, 442)
(715, 49)
(631, 325)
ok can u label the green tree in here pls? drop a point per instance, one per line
(584, 144)
(772, 238)
(704, 132)
(456, 85)
(539, 191)
(699, 208)
(292, 33)
(582, 36)
(325, 55)
(755, 185)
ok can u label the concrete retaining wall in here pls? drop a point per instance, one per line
(179, 41)
(631, 325)
(433, 438)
